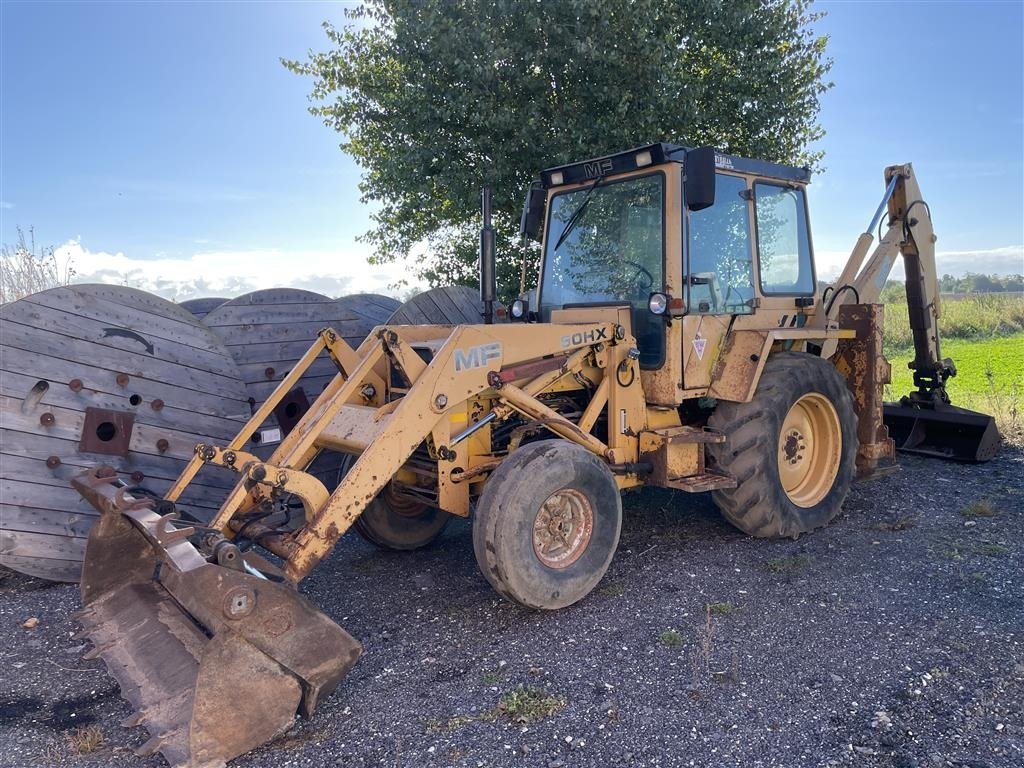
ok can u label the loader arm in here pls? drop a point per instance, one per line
(924, 421)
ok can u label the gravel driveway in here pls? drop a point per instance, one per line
(892, 638)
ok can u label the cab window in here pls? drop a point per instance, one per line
(720, 272)
(783, 244)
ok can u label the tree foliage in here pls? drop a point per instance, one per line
(435, 98)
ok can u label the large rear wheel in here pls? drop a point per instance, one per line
(792, 449)
(547, 524)
(392, 521)
(398, 522)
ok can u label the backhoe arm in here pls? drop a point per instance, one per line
(924, 421)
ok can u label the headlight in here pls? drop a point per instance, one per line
(518, 309)
(658, 303)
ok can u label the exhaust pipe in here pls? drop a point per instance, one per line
(488, 267)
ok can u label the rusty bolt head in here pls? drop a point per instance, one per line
(162, 445)
(53, 462)
(157, 404)
(122, 379)
(282, 478)
(269, 373)
(239, 602)
(75, 385)
(441, 400)
(229, 457)
(137, 477)
(106, 471)
(47, 419)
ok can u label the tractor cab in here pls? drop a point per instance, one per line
(673, 232)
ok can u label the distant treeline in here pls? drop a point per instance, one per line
(895, 290)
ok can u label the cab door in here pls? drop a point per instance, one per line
(718, 274)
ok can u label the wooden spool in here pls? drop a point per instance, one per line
(102, 374)
(453, 305)
(200, 308)
(268, 331)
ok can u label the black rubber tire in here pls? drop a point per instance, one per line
(382, 526)
(759, 504)
(507, 510)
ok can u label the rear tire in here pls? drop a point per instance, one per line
(393, 522)
(792, 449)
(396, 522)
(547, 524)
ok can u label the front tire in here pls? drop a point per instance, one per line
(792, 449)
(547, 524)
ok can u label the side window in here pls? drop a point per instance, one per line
(783, 245)
(720, 274)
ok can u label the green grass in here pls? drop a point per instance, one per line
(670, 637)
(990, 377)
(980, 317)
(789, 564)
(527, 704)
(977, 509)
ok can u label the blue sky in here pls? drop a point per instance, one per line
(166, 141)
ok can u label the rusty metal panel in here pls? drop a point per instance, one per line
(106, 431)
(862, 364)
(735, 375)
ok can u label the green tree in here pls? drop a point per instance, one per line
(435, 98)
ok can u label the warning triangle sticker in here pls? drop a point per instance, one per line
(698, 346)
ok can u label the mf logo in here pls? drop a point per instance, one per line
(584, 337)
(477, 357)
(597, 168)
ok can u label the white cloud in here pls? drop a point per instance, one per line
(230, 273)
(5, 205)
(1008, 260)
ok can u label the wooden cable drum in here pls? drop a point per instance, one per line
(268, 331)
(201, 307)
(452, 305)
(361, 313)
(102, 374)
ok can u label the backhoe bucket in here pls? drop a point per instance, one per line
(215, 660)
(944, 432)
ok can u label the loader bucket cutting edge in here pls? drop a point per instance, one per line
(214, 661)
(945, 432)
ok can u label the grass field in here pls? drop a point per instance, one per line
(990, 365)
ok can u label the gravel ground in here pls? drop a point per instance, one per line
(892, 638)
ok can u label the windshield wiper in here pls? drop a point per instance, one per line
(574, 218)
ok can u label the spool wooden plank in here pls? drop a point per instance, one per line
(267, 332)
(451, 305)
(100, 374)
(200, 308)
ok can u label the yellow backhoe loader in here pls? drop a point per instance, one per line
(676, 338)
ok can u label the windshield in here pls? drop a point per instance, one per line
(609, 251)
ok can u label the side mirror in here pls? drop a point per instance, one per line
(699, 178)
(533, 212)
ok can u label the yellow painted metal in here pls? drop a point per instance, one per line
(810, 446)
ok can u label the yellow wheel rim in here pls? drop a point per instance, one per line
(810, 445)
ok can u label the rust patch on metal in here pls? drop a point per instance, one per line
(106, 431)
(863, 365)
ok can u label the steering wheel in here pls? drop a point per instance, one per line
(641, 270)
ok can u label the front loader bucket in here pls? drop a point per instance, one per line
(945, 431)
(214, 660)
